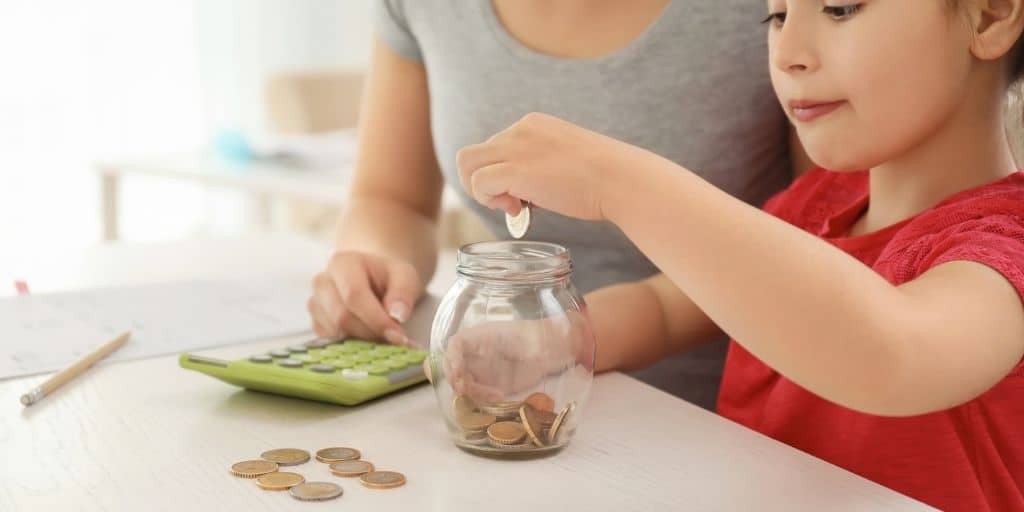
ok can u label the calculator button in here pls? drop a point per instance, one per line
(351, 374)
(297, 349)
(378, 369)
(414, 356)
(362, 357)
(359, 344)
(261, 358)
(280, 353)
(394, 363)
(341, 362)
(379, 355)
(290, 363)
(304, 358)
(322, 368)
(316, 351)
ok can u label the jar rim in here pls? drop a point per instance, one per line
(514, 260)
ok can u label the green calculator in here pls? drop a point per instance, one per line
(349, 372)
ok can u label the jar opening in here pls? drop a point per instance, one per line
(514, 261)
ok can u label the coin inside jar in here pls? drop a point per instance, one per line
(535, 422)
(475, 421)
(560, 422)
(463, 405)
(382, 479)
(253, 468)
(541, 402)
(337, 454)
(351, 467)
(507, 432)
(286, 456)
(518, 224)
(279, 481)
(316, 491)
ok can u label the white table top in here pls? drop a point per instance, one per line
(147, 435)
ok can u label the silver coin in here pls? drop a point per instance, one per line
(261, 358)
(280, 353)
(290, 363)
(297, 349)
(322, 368)
(519, 224)
(316, 491)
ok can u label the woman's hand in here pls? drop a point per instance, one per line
(549, 162)
(365, 296)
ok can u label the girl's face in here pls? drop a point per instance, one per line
(865, 81)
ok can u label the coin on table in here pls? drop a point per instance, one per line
(337, 454)
(535, 422)
(253, 468)
(560, 422)
(316, 491)
(475, 421)
(518, 224)
(286, 456)
(507, 432)
(541, 402)
(382, 479)
(351, 467)
(279, 481)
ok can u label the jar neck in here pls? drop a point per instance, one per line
(515, 262)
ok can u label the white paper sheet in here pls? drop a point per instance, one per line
(41, 333)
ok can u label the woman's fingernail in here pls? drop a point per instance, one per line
(394, 336)
(399, 311)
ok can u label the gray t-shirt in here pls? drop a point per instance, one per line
(693, 88)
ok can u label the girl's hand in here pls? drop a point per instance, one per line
(495, 361)
(546, 161)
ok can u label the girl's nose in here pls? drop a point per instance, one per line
(792, 48)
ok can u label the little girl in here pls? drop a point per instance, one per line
(876, 314)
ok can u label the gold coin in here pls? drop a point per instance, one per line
(337, 454)
(475, 421)
(286, 456)
(382, 479)
(502, 410)
(534, 422)
(316, 491)
(560, 422)
(541, 402)
(507, 432)
(463, 405)
(253, 468)
(520, 446)
(351, 467)
(279, 481)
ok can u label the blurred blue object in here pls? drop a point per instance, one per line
(233, 146)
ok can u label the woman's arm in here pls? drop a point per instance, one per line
(396, 193)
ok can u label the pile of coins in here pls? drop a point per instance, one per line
(512, 425)
(345, 462)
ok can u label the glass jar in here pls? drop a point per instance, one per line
(512, 350)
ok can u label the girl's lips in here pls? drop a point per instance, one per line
(807, 111)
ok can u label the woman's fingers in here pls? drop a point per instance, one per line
(354, 289)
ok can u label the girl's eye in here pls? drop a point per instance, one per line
(841, 12)
(775, 18)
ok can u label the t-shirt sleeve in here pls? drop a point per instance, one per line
(392, 27)
(996, 241)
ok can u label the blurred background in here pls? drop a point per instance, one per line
(168, 119)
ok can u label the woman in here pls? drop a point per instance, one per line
(448, 73)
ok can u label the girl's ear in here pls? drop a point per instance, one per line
(998, 25)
